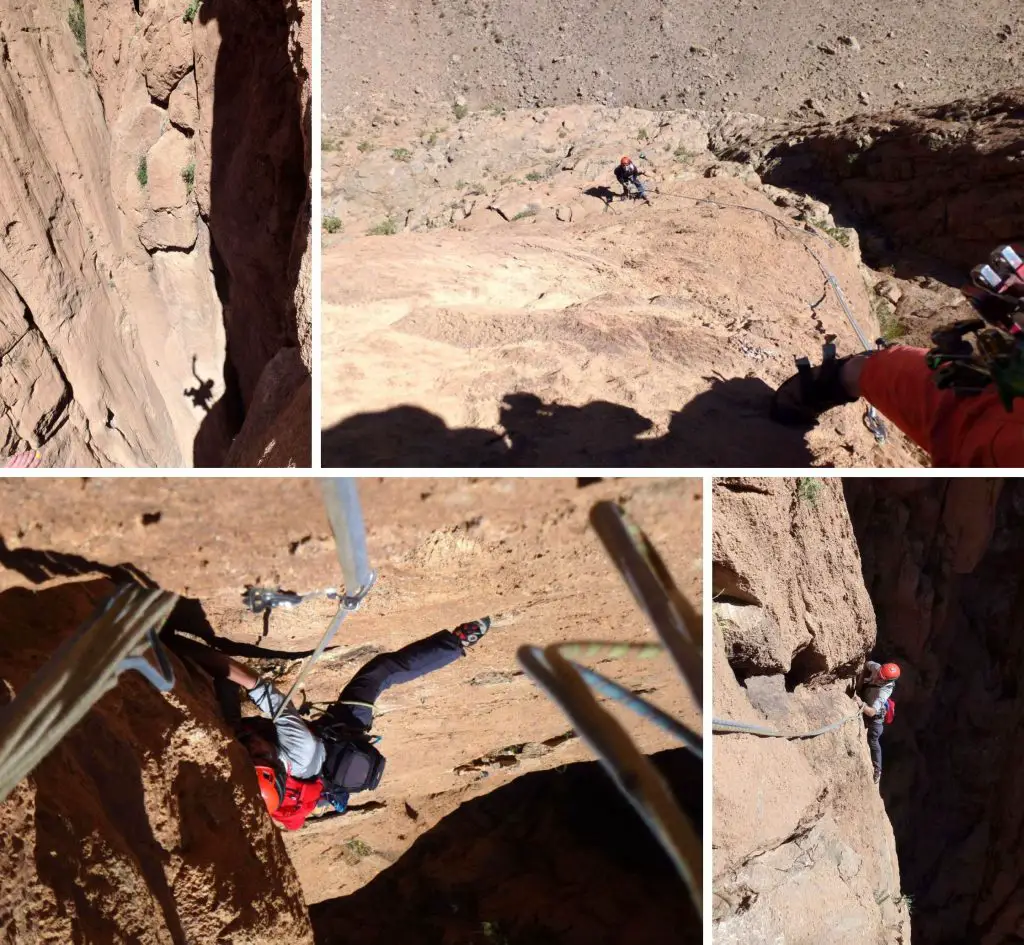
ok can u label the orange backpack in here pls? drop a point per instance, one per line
(300, 797)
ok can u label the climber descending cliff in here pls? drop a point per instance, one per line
(304, 766)
(878, 706)
(959, 401)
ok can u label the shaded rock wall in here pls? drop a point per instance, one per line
(145, 823)
(946, 182)
(255, 59)
(554, 856)
(941, 560)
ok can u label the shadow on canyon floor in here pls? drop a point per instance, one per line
(556, 856)
(727, 425)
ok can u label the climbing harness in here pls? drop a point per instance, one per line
(573, 687)
(346, 518)
(726, 727)
(996, 355)
(84, 668)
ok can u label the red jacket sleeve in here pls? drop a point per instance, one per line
(954, 430)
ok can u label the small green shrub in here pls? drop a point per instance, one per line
(402, 154)
(332, 224)
(807, 490)
(328, 144)
(523, 214)
(386, 227)
(493, 933)
(682, 156)
(364, 146)
(188, 175)
(359, 847)
(838, 234)
(192, 10)
(460, 111)
(534, 176)
(889, 325)
(76, 20)
(142, 172)
(641, 135)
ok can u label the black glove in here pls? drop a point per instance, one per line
(804, 397)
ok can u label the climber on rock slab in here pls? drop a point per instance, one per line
(305, 766)
(877, 706)
(962, 405)
(627, 173)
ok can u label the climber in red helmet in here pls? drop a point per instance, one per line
(627, 173)
(301, 765)
(962, 424)
(876, 703)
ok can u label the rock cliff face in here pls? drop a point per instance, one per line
(141, 228)
(941, 560)
(144, 824)
(803, 850)
(447, 550)
(517, 315)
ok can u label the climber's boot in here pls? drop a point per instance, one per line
(470, 633)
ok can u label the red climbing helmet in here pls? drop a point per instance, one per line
(271, 786)
(625, 161)
(889, 671)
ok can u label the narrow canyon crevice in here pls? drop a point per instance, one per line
(941, 561)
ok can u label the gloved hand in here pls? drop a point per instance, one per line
(803, 398)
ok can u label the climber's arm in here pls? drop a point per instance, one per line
(216, 664)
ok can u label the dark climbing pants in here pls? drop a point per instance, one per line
(390, 669)
(875, 728)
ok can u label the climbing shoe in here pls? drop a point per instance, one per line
(802, 399)
(470, 633)
(878, 775)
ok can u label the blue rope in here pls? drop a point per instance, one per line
(606, 687)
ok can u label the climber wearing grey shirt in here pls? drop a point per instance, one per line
(877, 686)
(876, 691)
(301, 751)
